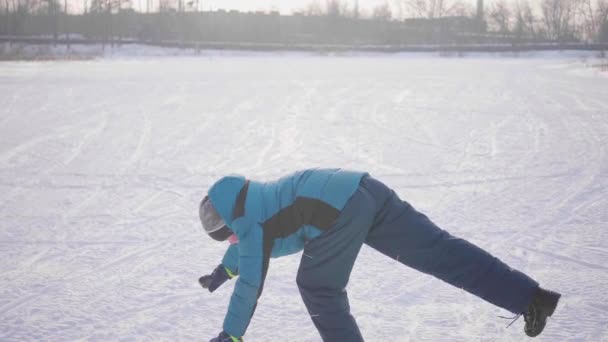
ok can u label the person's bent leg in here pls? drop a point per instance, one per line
(327, 262)
(403, 233)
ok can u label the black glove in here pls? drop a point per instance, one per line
(215, 279)
(224, 337)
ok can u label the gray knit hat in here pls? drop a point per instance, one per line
(212, 221)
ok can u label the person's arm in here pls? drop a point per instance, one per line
(231, 260)
(226, 270)
(248, 286)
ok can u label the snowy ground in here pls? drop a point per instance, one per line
(103, 163)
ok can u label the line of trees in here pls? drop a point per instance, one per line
(321, 21)
(560, 20)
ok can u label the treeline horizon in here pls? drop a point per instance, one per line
(433, 22)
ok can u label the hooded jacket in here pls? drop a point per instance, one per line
(273, 219)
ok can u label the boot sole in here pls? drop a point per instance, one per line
(551, 301)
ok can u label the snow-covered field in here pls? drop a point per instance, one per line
(103, 163)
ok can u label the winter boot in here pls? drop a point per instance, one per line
(543, 305)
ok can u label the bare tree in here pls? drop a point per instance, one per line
(336, 8)
(425, 8)
(98, 6)
(399, 7)
(105, 9)
(500, 16)
(558, 17)
(382, 12)
(431, 9)
(595, 15)
(462, 9)
(585, 9)
(313, 8)
(602, 20)
(168, 5)
(525, 21)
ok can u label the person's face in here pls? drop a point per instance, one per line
(233, 239)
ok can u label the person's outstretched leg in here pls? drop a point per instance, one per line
(327, 262)
(404, 234)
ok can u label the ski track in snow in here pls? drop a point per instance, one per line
(103, 163)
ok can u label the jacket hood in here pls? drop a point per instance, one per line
(223, 194)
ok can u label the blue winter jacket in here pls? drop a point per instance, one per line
(273, 219)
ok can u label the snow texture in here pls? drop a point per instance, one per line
(103, 164)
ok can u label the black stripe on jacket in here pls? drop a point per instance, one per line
(303, 211)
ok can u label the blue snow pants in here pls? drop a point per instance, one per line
(375, 215)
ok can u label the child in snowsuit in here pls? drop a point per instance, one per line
(330, 214)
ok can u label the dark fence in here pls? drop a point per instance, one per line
(457, 48)
(240, 27)
(256, 31)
